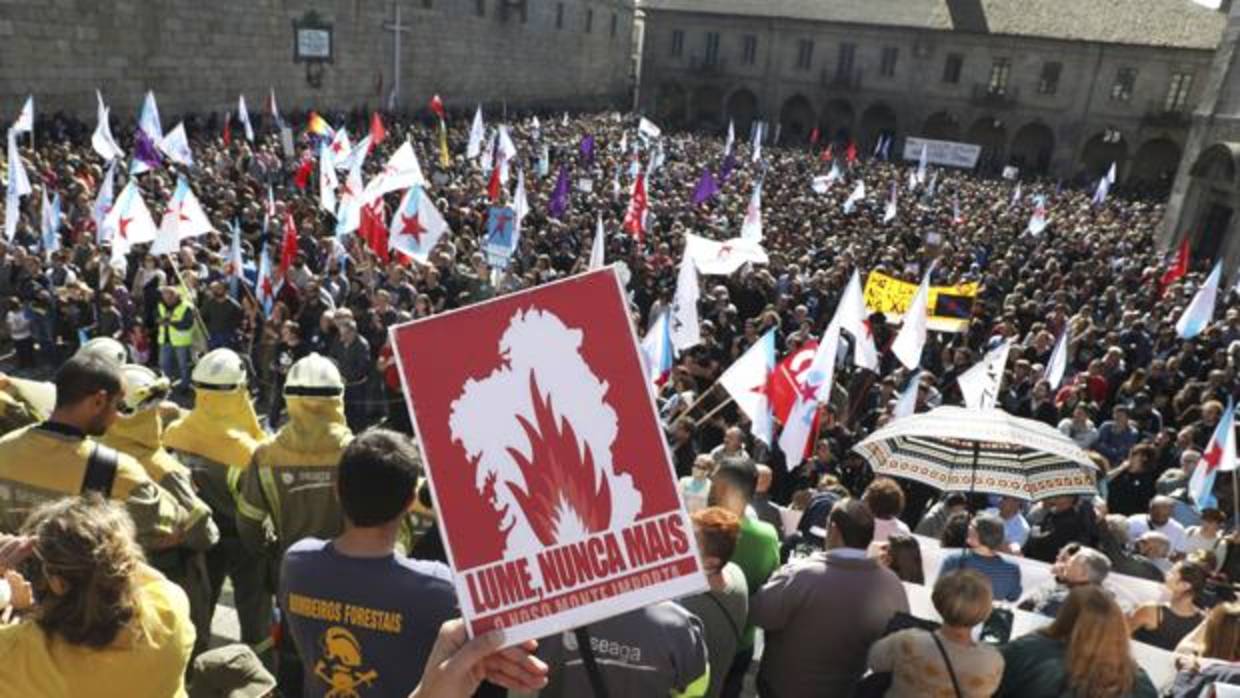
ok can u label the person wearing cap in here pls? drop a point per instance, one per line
(59, 457)
(138, 432)
(175, 321)
(216, 440)
(231, 671)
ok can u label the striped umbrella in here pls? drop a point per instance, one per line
(986, 450)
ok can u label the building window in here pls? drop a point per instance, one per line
(888, 66)
(428, 3)
(615, 22)
(678, 43)
(712, 48)
(1000, 70)
(805, 54)
(749, 49)
(589, 20)
(848, 57)
(482, 8)
(1125, 79)
(559, 15)
(952, 68)
(1048, 83)
(1177, 91)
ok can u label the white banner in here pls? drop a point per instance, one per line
(949, 153)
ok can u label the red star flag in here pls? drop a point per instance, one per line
(686, 331)
(416, 226)
(402, 171)
(176, 146)
(813, 389)
(328, 181)
(349, 213)
(853, 318)
(131, 220)
(183, 218)
(746, 381)
(1220, 455)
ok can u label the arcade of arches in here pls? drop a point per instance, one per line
(1212, 198)
(1030, 146)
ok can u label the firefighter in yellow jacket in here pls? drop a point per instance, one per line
(58, 457)
(24, 402)
(289, 490)
(137, 432)
(216, 441)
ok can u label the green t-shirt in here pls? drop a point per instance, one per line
(757, 554)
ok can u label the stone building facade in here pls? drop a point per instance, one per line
(1206, 197)
(1054, 87)
(200, 54)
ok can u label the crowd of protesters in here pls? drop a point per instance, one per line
(1143, 402)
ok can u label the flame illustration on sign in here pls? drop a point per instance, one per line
(566, 495)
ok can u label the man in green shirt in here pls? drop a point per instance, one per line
(757, 551)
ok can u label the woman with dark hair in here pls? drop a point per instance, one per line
(956, 531)
(102, 623)
(1209, 653)
(1165, 624)
(1084, 653)
(902, 555)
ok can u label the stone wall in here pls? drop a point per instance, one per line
(200, 54)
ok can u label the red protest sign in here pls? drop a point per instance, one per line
(553, 485)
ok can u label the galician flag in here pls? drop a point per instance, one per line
(746, 381)
(657, 351)
(889, 212)
(912, 337)
(183, 218)
(751, 229)
(858, 193)
(176, 146)
(814, 389)
(147, 138)
(50, 222)
(131, 221)
(243, 115)
(18, 186)
(102, 140)
(1219, 456)
(598, 249)
(416, 226)
(980, 384)
(1199, 313)
(477, 132)
(265, 286)
(349, 213)
(25, 118)
(684, 317)
(328, 181)
(906, 403)
(1057, 366)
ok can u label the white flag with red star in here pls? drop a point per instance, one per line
(416, 226)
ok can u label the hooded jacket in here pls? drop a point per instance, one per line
(289, 490)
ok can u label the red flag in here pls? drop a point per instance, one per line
(302, 178)
(1177, 270)
(228, 129)
(827, 155)
(781, 386)
(635, 217)
(288, 247)
(493, 186)
(437, 106)
(377, 132)
(372, 228)
(851, 154)
(813, 136)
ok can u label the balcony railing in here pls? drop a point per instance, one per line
(847, 81)
(1157, 115)
(701, 66)
(986, 96)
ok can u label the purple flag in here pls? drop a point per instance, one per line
(725, 173)
(706, 188)
(558, 205)
(144, 150)
(587, 149)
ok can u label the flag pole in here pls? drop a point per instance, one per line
(718, 408)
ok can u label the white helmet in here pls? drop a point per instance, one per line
(314, 376)
(144, 388)
(105, 348)
(221, 369)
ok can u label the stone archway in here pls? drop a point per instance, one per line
(707, 107)
(1211, 199)
(837, 119)
(742, 109)
(942, 126)
(1032, 147)
(797, 120)
(671, 104)
(1101, 152)
(991, 134)
(1155, 162)
(877, 120)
